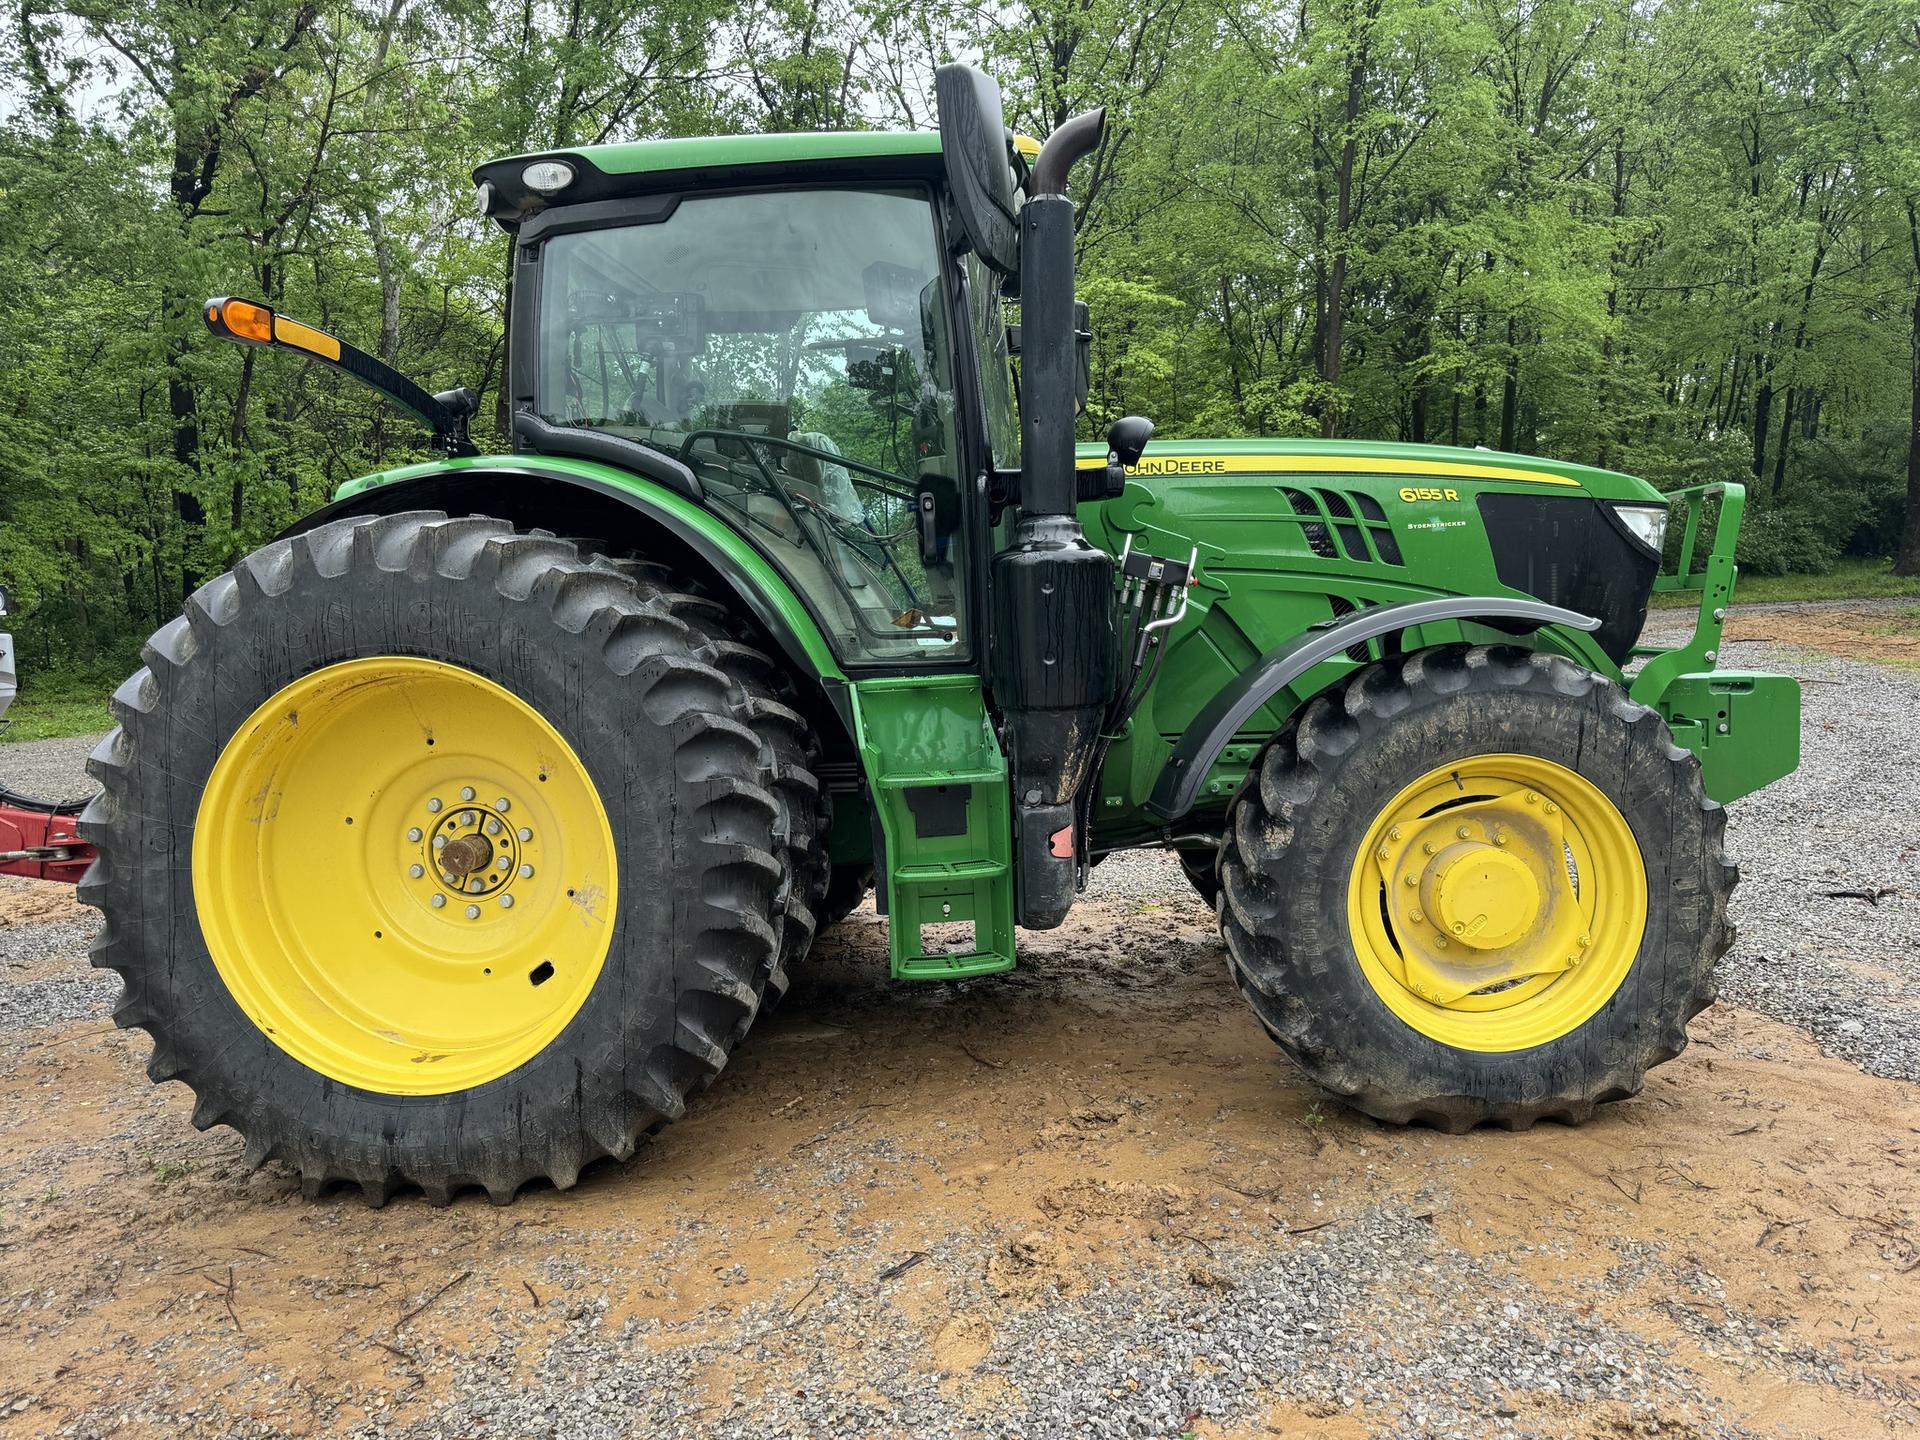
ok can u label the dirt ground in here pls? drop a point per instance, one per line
(1089, 1114)
(1880, 631)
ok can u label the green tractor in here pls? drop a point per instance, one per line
(457, 836)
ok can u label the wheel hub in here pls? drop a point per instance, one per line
(1481, 894)
(472, 851)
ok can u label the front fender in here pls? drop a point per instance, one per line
(584, 497)
(1223, 716)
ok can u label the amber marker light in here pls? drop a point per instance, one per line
(241, 320)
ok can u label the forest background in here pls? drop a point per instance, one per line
(1679, 239)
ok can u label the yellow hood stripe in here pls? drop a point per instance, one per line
(1151, 466)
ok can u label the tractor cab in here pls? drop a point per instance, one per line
(791, 321)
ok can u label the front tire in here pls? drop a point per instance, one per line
(331, 722)
(1475, 885)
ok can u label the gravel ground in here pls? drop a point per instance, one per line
(1347, 1281)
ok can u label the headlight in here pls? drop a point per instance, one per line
(483, 197)
(1647, 523)
(546, 177)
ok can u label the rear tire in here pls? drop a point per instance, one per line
(849, 887)
(700, 771)
(1293, 853)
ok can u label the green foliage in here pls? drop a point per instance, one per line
(1679, 239)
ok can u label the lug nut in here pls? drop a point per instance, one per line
(439, 842)
(526, 872)
(473, 912)
(438, 900)
(493, 827)
(502, 863)
(416, 871)
(1383, 852)
(1552, 809)
(503, 804)
(1411, 880)
(1532, 799)
(506, 902)
(525, 834)
(414, 833)
(1427, 848)
(1499, 837)
(466, 792)
(1394, 833)
(1585, 941)
(1463, 832)
(1441, 941)
(433, 805)
(1415, 917)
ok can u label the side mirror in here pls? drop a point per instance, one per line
(973, 140)
(1127, 439)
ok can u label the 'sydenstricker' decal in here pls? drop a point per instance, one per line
(1150, 466)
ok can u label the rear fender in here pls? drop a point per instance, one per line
(580, 497)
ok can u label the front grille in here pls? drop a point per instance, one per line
(1567, 551)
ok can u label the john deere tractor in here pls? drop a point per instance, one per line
(456, 837)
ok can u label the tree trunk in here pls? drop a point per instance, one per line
(1907, 562)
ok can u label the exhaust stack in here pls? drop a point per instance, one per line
(1053, 663)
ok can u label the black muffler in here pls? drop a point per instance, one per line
(1053, 660)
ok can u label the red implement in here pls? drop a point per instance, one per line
(41, 842)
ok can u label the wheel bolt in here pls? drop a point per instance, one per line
(503, 804)
(1532, 799)
(502, 863)
(1440, 941)
(493, 827)
(526, 872)
(439, 842)
(1415, 917)
(438, 900)
(506, 902)
(1427, 848)
(433, 805)
(416, 871)
(466, 792)
(414, 833)
(1499, 837)
(1552, 809)
(473, 912)
(1383, 852)
(1585, 941)
(1463, 832)
(1394, 833)
(1411, 880)
(525, 834)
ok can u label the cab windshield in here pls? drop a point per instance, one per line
(792, 347)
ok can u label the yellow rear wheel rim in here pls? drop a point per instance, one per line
(1497, 903)
(404, 875)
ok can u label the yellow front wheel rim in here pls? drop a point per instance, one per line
(405, 875)
(1497, 903)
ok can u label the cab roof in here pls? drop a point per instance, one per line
(609, 172)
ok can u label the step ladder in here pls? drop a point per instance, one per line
(940, 800)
